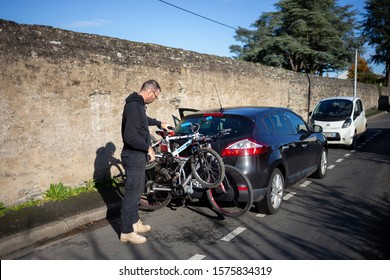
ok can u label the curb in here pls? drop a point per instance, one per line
(377, 115)
(46, 232)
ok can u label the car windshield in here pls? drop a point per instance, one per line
(333, 110)
(239, 125)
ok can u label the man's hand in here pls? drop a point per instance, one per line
(165, 125)
(152, 155)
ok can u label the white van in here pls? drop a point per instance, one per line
(342, 119)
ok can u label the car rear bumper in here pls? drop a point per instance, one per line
(255, 169)
(258, 194)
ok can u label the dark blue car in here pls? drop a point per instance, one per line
(273, 147)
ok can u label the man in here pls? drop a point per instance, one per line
(136, 146)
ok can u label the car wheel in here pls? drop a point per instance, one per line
(272, 201)
(322, 165)
(363, 135)
(354, 140)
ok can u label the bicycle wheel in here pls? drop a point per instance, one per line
(154, 198)
(208, 167)
(234, 197)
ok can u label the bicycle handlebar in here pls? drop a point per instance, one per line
(186, 124)
(169, 127)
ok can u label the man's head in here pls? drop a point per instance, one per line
(150, 91)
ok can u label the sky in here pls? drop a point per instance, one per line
(152, 21)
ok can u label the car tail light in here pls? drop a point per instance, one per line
(213, 115)
(347, 123)
(246, 147)
(242, 188)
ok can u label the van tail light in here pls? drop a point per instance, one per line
(245, 147)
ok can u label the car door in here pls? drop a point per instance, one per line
(183, 112)
(287, 144)
(308, 143)
(359, 116)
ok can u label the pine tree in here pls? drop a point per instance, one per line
(312, 36)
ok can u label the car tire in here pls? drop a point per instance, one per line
(272, 201)
(322, 165)
(354, 142)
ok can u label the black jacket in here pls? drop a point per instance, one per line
(135, 122)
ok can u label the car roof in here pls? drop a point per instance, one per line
(250, 112)
(351, 98)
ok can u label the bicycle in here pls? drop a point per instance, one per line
(206, 164)
(167, 177)
(232, 198)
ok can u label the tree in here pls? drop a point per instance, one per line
(312, 36)
(364, 72)
(376, 31)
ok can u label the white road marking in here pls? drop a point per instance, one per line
(197, 257)
(339, 160)
(305, 184)
(233, 234)
(261, 215)
(331, 166)
(347, 155)
(289, 195)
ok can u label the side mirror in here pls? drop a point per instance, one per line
(317, 128)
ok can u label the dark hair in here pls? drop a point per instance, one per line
(151, 84)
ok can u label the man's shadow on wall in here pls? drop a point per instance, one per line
(109, 178)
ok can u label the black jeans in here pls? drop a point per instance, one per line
(134, 163)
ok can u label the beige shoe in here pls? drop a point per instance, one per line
(133, 238)
(140, 227)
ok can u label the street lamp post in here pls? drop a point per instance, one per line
(355, 76)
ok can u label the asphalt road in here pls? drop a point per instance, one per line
(343, 216)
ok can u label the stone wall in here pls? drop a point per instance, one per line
(62, 95)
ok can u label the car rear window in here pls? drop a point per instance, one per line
(239, 125)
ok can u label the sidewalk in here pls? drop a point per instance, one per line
(36, 224)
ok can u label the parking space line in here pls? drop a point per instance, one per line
(233, 234)
(331, 166)
(339, 160)
(289, 195)
(261, 215)
(305, 184)
(197, 257)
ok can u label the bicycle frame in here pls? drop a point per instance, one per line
(166, 141)
(169, 154)
(184, 179)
